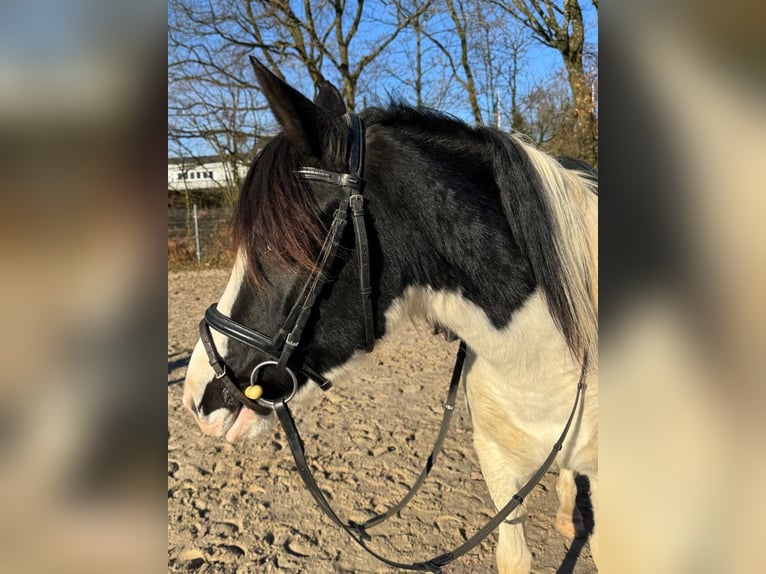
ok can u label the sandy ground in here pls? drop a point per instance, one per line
(243, 508)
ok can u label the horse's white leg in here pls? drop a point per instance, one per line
(513, 556)
(568, 518)
(507, 457)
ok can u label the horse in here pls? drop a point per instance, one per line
(472, 230)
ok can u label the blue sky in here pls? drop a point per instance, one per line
(378, 84)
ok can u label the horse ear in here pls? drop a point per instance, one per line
(329, 99)
(304, 123)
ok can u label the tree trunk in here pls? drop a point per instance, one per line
(349, 91)
(586, 131)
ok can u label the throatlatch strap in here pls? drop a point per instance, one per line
(356, 202)
(316, 281)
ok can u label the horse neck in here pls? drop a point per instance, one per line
(443, 230)
(452, 258)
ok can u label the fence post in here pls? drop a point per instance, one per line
(196, 234)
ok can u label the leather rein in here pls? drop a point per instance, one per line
(280, 350)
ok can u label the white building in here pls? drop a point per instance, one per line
(207, 172)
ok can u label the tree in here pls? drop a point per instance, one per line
(559, 25)
(419, 24)
(462, 24)
(316, 37)
(449, 54)
(478, 42)
(219, 111)
(548, 118)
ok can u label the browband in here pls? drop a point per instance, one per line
(339, 179)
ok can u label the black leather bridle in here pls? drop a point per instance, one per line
(281, 347)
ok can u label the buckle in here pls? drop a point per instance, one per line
(290, 342)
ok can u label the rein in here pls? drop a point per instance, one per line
(358, 533)
(281, 347)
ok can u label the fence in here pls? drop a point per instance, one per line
(201, 241)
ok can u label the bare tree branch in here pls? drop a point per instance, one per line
(559, 24)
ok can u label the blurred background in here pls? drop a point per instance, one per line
(683, 272)
(84, 91)
(82, 146)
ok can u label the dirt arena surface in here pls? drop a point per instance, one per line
(243, 508)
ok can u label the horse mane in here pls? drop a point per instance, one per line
(276, 223)
(552, 212)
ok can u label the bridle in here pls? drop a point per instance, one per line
(280, 349)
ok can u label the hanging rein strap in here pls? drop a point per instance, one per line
(449, 409)
(357, 532)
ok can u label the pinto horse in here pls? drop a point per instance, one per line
(467, 228)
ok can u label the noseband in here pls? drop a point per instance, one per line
(282, 346)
